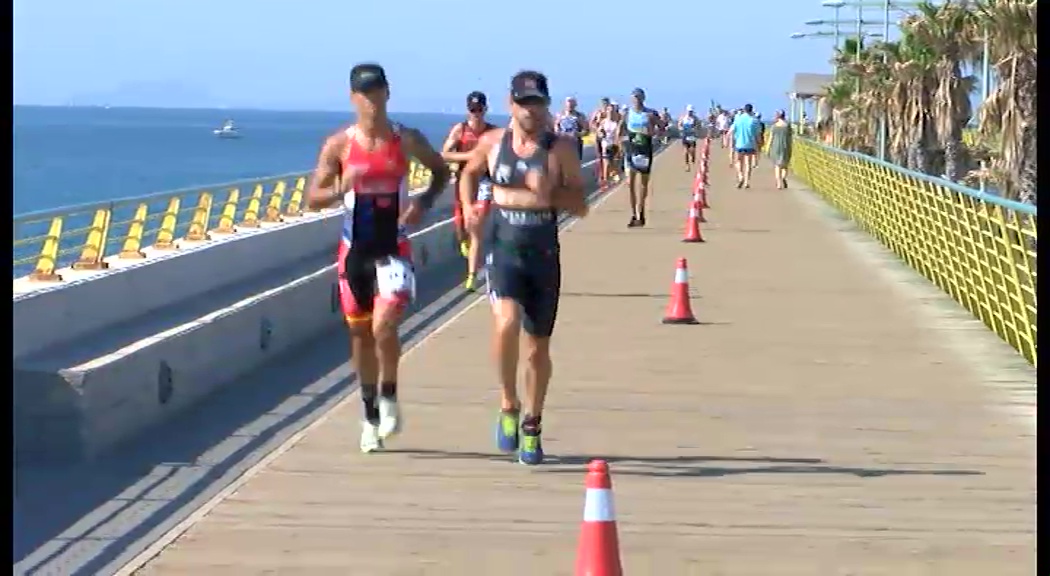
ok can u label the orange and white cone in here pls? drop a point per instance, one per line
(692, 224)
(700, 189)
(679, 310)
(598, 553)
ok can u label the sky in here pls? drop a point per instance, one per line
(277, 54)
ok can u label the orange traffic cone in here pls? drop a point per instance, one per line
(692, 224)
(698, 203)
(598, 553)
(700, 189)
(679, 310)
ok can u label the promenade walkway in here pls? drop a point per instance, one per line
(833, 414)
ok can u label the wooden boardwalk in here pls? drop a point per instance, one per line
(829, 417)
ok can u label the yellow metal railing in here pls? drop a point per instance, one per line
(979, 248)
(85, 236)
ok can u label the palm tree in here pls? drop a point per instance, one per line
(948, 31)
(1008, 116)
(923, 82)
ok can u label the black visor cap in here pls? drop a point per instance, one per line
(367, 77)
(477, 100)
(529, 86)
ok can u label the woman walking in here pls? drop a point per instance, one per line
(780, 148)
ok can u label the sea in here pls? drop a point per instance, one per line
(75, 155)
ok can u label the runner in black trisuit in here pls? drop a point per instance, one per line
(535, 174)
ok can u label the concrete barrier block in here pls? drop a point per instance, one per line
(51, 317)
(75, 409)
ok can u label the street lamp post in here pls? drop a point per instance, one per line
(834, 34)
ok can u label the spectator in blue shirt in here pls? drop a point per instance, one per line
(745, 134)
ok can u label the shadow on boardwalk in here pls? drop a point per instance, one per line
(695, 466)
(78, 519)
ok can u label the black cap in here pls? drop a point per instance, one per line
(529, 84)
(476, 98)
(366, 77)
(638, 92)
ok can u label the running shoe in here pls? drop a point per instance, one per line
(389, 418)
(370, 440)
(470, 283)
(531, 451)
(507, 431)
(464, 248)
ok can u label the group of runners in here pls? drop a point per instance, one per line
(516, 180)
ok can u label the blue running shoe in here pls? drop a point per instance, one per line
(507, 431)
(531, 451)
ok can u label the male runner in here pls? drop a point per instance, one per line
(688, 125)
(722, 122)
(745, 143)
(535, 174)
(572, 123)
(462, 138)
(664, 123)
(365, 168)
(607, 133)
(640, 124)
(597, 117)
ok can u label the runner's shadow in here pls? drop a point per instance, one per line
(703, 466)
(617, 295)
(578, 463)
(720, 471)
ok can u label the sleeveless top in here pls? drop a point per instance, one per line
(569, 124)
(638, 126)
(516, 228)
(608, 128)
(689, 125)
(379, 190)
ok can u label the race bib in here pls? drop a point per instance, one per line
(690, 138)
(640, 161)
(395, 279)
(485, 190)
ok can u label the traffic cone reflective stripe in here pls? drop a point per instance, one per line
(679, 310)
(598, 553)
(692, 225)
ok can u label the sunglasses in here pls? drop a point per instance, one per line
(532, 101)
(476, 108)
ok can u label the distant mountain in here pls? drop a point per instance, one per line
(149, 94)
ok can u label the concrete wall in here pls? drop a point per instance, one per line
(71, 311)
(84, 382)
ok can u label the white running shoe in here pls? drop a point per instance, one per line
(370, 440)
(389, 418)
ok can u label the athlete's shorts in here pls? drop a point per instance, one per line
(638, 158)
(484, 199)
(530, 278)
(358, 284)
(609, 151)
(745, 151)
(689, 141)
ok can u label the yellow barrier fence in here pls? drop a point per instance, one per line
(977, 247)
(84, 236)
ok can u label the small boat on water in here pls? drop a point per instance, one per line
(228, 130)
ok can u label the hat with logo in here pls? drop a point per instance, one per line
(477, 99)
(529, 84)
(367, 77)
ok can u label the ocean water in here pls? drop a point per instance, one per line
(74, 155)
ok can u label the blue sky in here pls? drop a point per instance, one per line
(277, 54)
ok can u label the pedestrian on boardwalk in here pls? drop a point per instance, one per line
(780, 148)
